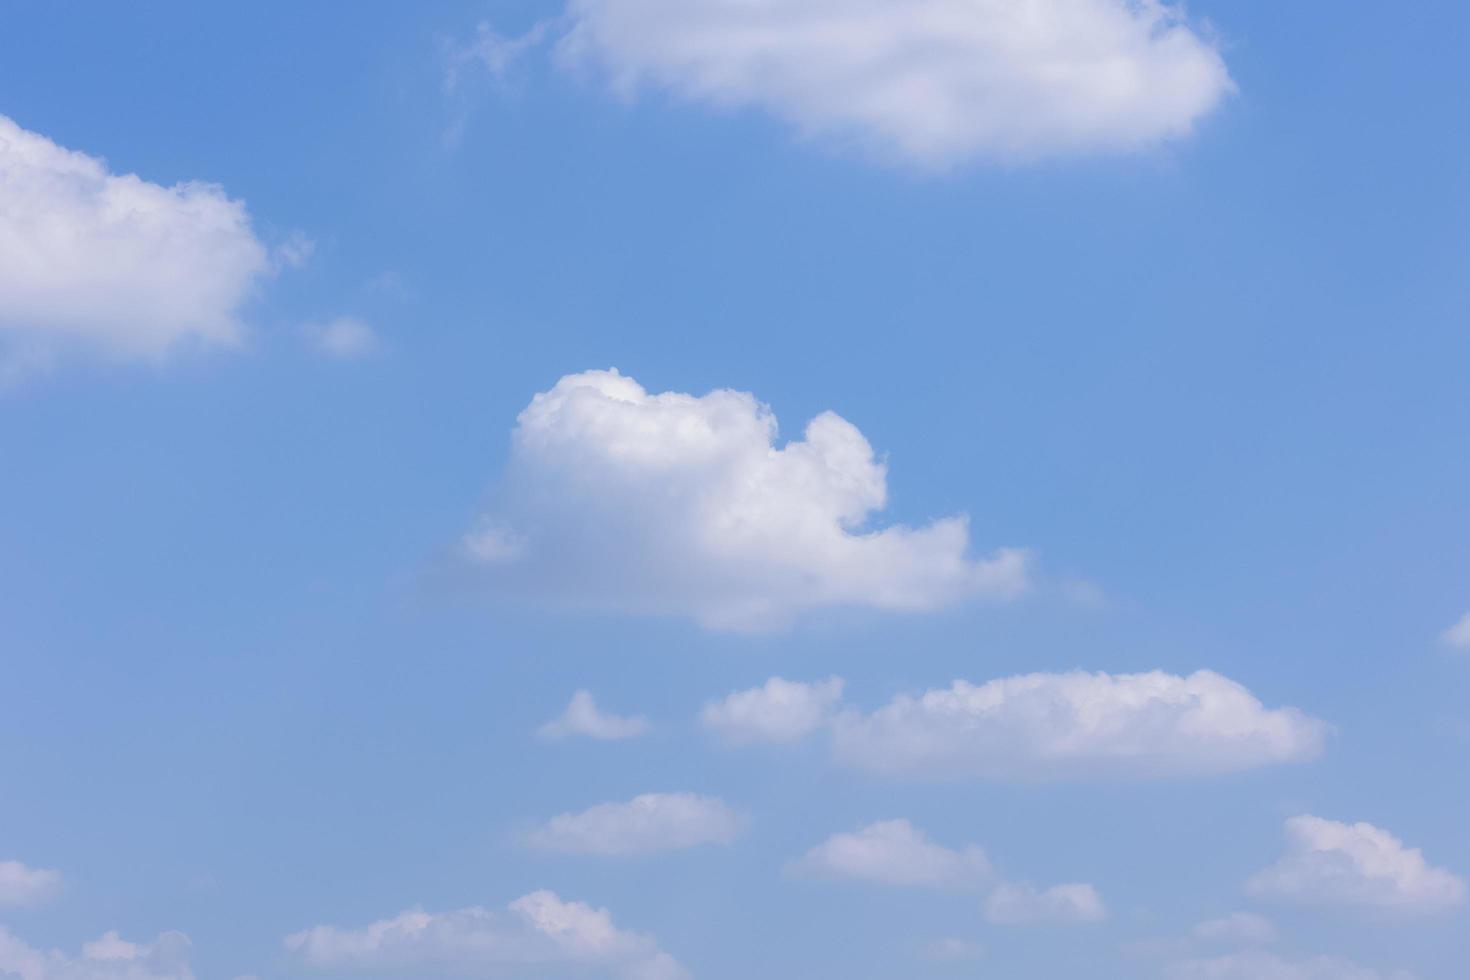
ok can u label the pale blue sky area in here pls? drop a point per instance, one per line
(286, 590)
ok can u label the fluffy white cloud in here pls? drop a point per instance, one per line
(538, 935)
(1019, 903)
(675, 504)
(582, 717)
(1332, 863)
(1077, 725)
(644, 824)
(1245, 928)
(894, 852)
(344, 337)
(20, 885)
(929, 81)
(778, 711)
(1458, 635)
(112, 265)
(1258, 965)
(109, 957)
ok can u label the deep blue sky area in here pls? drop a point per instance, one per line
(1217, 385)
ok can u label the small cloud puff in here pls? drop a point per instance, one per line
(22, 886)
(643, 825)
(582, 717)
(778, 711)
(538, 934)
(897, 854)
(894, 852)
(1355, 865)
(109, 957)
(1023, 904)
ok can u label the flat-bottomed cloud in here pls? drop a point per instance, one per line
(1022, 904)
(684, 505)
(645, 824)
(582, 717)
(930, 82)
(778, 711)
(21, 885)
(536, 935)
(1077, 726)
(108, 957)
(1356, 865)
(111, 265)
(895, 852)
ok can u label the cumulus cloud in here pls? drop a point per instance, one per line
(1458, 635)
(20, 885)
(582, 717)
(685, 505)
(778, 711)
(644, 824)
(1259, 965)
(344, 338)
(538, 934)
(1077, 725)
(112, 265)
(928, 81)
(1019, 903)
(109, 957)
(1332, 863)
(1245, 928)
(894, 852)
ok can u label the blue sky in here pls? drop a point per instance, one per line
(1132, 379)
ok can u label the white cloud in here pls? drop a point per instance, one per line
(1077, 725)
(582, 717)
(778, 711)
(538, 935)
(1258, 965)
(1245, 928)
(20, 885)
(1019, 903)
(929, 81)
(682, 505)
(1331, 863)
(894, 852)
(1458, 635)
(644, 824)
(111, 265)
(343, 337)
(109, 957)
